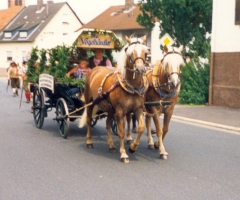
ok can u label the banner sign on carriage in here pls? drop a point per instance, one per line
(166, 40)
(98, 39)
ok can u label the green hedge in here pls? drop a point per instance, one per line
(194, 84)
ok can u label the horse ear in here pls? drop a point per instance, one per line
(127, 39)
(165, 49)
(180, 48)
(144, 38)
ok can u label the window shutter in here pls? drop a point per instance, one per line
(237, 13)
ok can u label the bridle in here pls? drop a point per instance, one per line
(134, 69)
(168, 53)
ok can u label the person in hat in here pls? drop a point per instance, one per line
(14, 77)
(25, 82)
(98, 59)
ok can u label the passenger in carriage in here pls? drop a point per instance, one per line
(80, 71)
(98, 59)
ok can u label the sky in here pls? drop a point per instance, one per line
(85, 9)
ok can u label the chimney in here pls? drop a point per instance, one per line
(47, 6)
(12, 3)
(129, 4)
(39, 4)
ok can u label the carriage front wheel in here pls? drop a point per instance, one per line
(37, 108)
(62, 118)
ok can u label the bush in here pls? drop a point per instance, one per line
(194, 84)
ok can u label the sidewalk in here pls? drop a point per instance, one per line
(220, 117)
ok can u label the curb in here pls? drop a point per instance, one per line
(231, 128)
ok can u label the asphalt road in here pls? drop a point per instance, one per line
(38, 164)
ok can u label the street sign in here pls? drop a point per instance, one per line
(166, 40)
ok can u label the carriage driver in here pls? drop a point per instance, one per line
(14, 77)
(98, 59)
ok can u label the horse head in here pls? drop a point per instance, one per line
(135, 52)
(172, 62)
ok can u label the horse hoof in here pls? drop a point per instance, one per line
(163, 156)
(112, 150)
(125, 160)
(129, 142)
(150, 146)
(130, 150)
(90, 146)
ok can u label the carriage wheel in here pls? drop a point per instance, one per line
(38, 107)
(114, 126)
(62, 117)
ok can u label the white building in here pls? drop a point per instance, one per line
(42, 25)
(224, 88)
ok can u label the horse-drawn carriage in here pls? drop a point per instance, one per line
(117, 93)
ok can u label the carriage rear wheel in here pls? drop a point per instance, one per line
(114, 126)
(37, 108)
(62, 117)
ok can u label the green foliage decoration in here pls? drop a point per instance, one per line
(33, 73)
(57, 67)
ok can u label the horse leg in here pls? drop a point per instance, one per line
(149, 135)
(89, 120)
(159, 143)
(166, 121)
(133, 147)
(121, 133)
(111, 146)
(129, 136)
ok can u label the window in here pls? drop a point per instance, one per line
(24, 55)
(18, 2)
(9, 56)
(23, 34)
(7, 34)
(237, 13)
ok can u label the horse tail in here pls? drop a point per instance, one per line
(83, 119)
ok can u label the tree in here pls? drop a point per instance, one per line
(187, 21)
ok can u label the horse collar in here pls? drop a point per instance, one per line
(130, 89)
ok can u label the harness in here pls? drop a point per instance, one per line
(122, 82)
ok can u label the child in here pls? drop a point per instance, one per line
(79, 71)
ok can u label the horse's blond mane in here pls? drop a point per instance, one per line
(174, 59)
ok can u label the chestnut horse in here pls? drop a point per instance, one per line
(164, 84)
(118, 93)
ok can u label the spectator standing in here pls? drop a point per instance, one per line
(14, 77)
(25, 82)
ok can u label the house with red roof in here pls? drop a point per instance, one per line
(42, 25)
